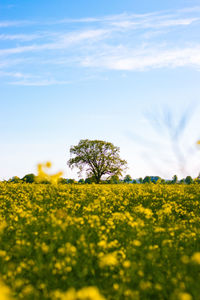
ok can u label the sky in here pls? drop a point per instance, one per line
(127, 72)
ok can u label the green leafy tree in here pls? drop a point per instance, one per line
(140, 180)
(81, 181)
(29, 178)
(197, 180)
(127, 179)
(147, 179)
(114, 179)
(62, 180)
(175, 179)
(15, 179)
(71, 181)
(90, 180)
(188, 180)
(98, 158)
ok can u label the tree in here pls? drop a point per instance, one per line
(29, 178)
(140, 180)
(89, 180)
(127, 179)
(71, 181)
(62, 180)
(175, 179)
(147, 179)
(188, 180)
(15, 179)
(114, 179)
(99, 158)
(81, 181)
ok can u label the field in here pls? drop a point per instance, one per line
(97, 242)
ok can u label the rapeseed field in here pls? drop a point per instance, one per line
(99, 242)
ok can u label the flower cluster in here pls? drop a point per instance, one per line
(97, 242)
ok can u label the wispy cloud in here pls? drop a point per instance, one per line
(43, 82)
(21, 37)
(154, 23)
(20, 23)
(62, 41)
(128, 42)
(14, 75)
(145, 59)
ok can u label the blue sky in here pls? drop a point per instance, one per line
(121, 71)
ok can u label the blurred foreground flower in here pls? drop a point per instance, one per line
(86, 293)
(196, 258)
(4, 292)
(43, 176)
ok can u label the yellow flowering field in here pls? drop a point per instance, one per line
(97, 242)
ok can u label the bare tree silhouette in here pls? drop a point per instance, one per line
(171, 126)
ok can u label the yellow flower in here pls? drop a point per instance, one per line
(48, 164)
(4, 292)
(127, 264)
(2, 224)
(108, 260)
(184, 296)
(89, 293)
(145, 285)
(115, 286)
(44, 247)
(2, 253)
(42, 175)
(86, 293)
(136, 243)
(196, 257)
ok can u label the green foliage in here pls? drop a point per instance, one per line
(175, 179)
(188, 180)
(71, 181)
(81, 181)
(99, 158)
(29, 178)
(114, 179)
(90, 180)
(147, 179)
(15, 179)
(62, 181)
(127, 179)
(140, 180)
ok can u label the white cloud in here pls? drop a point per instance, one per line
(14, 74)
(63, 41)
(21, 37)
(40, 82)
(145, 59)
(158, 22)
(129, 42)
(16, 23)
(190, 9)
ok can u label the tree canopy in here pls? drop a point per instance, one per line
(98, 158)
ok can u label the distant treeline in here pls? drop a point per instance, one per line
(31, 178)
